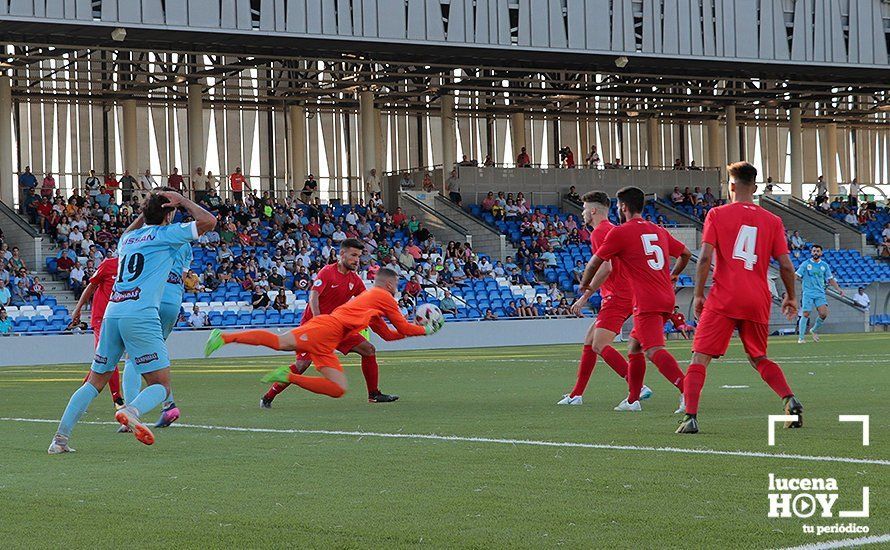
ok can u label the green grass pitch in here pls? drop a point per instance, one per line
(199, 487)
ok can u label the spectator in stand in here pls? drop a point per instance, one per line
(452, 186)
(372, 184)
(697, 195)
(884, 248)
(412, 287)
(567, 157)
(522, 159)
(447, 305)
(488, 202)
(488, 162)
(198, 318)
(5, 294)
(467, 162)
(280, 303)
(853, 196)
(47, 188)
(27, 182)
(127, 184)
(573, 195)
(528, 275)
(540, 307)
(175, 181)
(37, 289)
(191, 282)
(709, 199)
(677, 196)
(146, 184)
(796, 242)
(861, 298)
(237, 181)
(44, 209)
(16, 262)
(692, 166)
(428, 184)
(679, 321)
(6, 328)
(578, 272)
(851, 218)
(75, 279)
(678, 165)
(490, 315)
(259, 299)
(310, 189)
(563, 308)
(593, 158)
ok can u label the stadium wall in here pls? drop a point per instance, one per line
(548, 186)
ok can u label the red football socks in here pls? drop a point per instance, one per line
(114, 384)
(772, 374)
(668, 367)
(279, 387)
(615, 360)
(371, 372)
(316, 384)
(692, 385)
(585, 369)
(254, 337)
(636, 372)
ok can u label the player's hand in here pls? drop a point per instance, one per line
(434, 327)
(841, 292)
(698, 305)
(75, 317)
(674, 279)
(578, 306)
(175, 199)
(789, 308)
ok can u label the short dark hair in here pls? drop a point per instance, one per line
(743, 172)
(597, 197)
(153, 209)
(387, 273)
(633, 198)
(816, 245)
(352, 243)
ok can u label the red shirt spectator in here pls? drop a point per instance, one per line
(64, 263)
(175, 180)
(399, 218)
(523, 160)
(313, 228)
(412, 287)
(111, 182)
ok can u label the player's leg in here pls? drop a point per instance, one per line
(108, 352)
(169, 314)
(299, 366)
(636, 372)
(253, 337)
(585, 368)
(651, 336)
(370, 370)
(806, 305)
(754, 337)
(332, 381)
(822, 314)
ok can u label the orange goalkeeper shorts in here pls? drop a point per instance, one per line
(318, 339)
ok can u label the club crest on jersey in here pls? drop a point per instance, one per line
(125, 295)
(143, 359)
(351, 285)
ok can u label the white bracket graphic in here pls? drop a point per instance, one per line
(865, 428)
(857, 513)
(771, 426)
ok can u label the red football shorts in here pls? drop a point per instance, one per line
(613, 313)
(715, 330)
(649, 328)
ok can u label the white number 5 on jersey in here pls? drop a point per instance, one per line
(651, 248)
(745, 246)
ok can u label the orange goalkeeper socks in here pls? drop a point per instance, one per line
(254, 337)
(316, 384)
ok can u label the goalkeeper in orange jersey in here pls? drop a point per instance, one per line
(321, 335)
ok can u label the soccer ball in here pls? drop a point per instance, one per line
(427, 314)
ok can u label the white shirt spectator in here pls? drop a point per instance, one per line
(338, 236)
(77, 273)
(485, 266)
(850, 218)
(862, 300)
(85, 246)
(351, 218)
(197, 319)
(75, 237)
(148, 182)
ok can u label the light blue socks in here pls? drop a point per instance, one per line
(131, 382)
(149, 398)
(818, 324)
(77, 405)
(802, 327)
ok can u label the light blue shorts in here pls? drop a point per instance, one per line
(810, 302)
(169, 313)
(140, 337)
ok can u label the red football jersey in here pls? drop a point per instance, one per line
(745, 237)
(334, 289)
(103, 278)
(644, 250)
(617, 283)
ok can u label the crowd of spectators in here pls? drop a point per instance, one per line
(18, 284)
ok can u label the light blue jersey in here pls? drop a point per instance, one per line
(814, 276)
(171, 300)
(146, 257)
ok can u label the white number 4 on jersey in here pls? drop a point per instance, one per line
(745, 246)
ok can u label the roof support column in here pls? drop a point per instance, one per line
(517, 130)
(732, 136)
(195, 124)
(6, 179)
(368, 120)
(130, 146)
(297, 145)
(715, 157)
(796, 139)
(830, 165)
(653, 143)
(449, 144)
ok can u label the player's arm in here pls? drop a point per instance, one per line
(589, 272)
(204, 220)
(391, 311)
(681, 263)
(313, 303)
(88, 292)
(598, 279)
(833, 282)
(786, 270)
(383, 330)
(701, 277)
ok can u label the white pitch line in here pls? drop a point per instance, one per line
(470, 439)
(843, 543)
